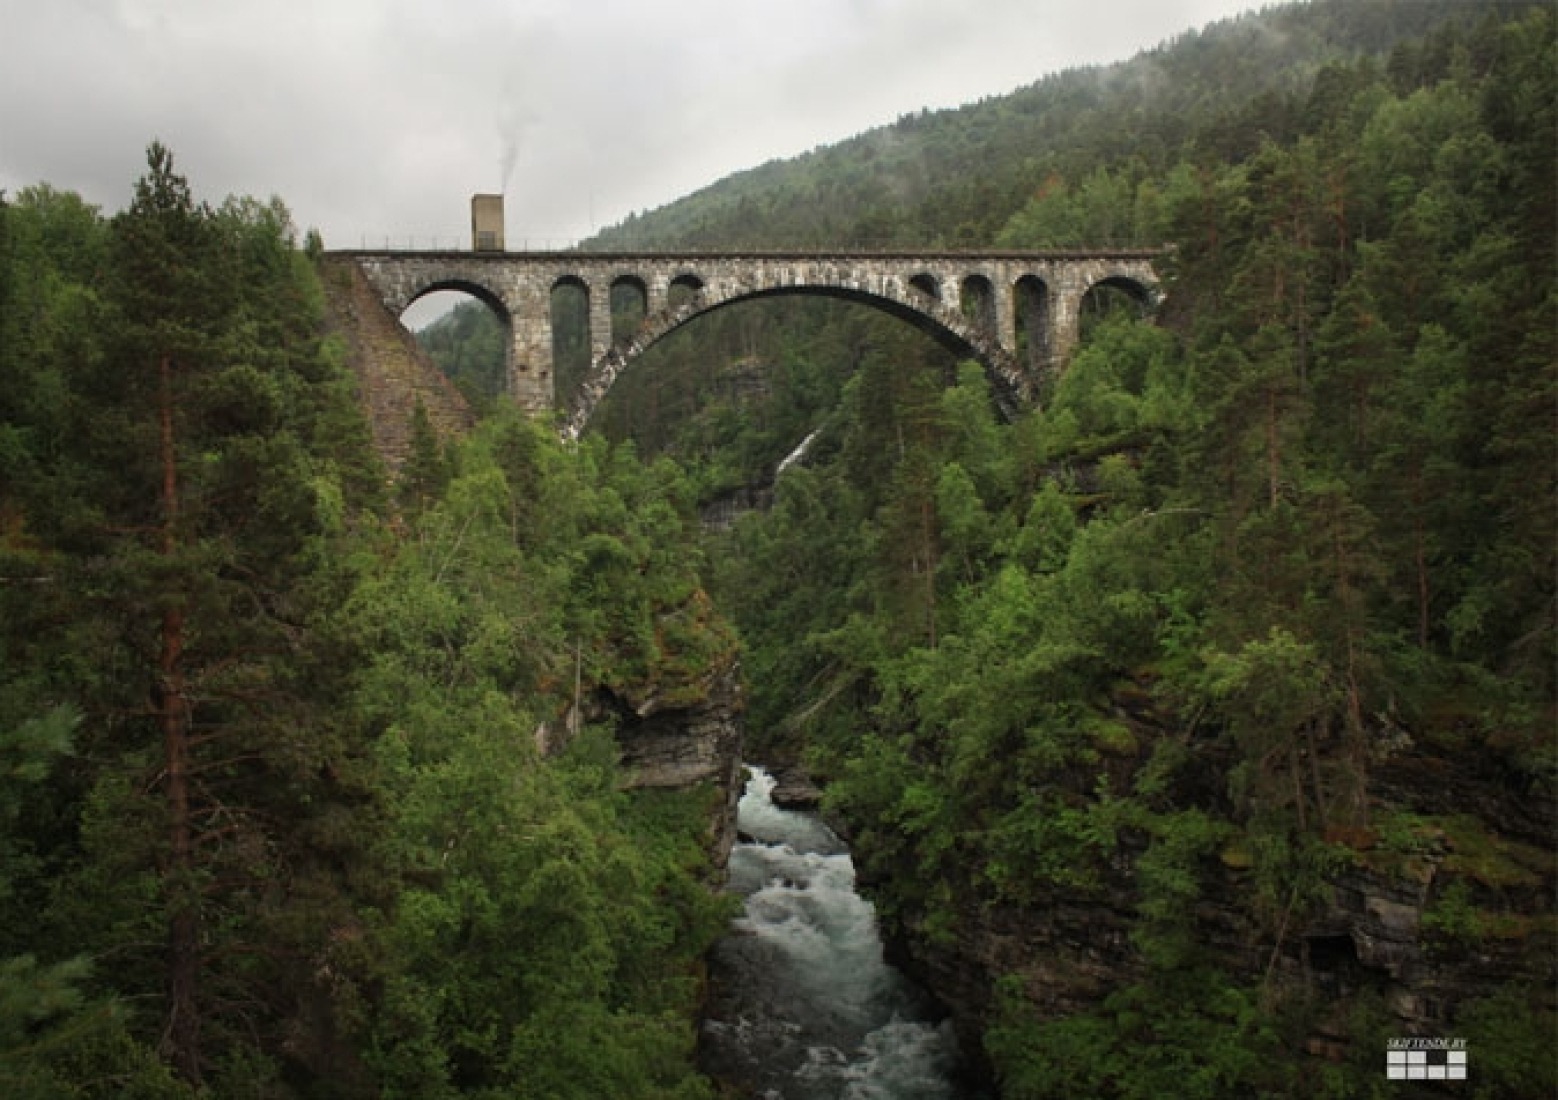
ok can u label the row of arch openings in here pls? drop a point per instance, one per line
(628, 303)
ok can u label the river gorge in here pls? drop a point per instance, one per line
(803, 1005)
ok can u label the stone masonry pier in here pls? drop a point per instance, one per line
(1017, 313)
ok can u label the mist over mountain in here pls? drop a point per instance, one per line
(953, 178)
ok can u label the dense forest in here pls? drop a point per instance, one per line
(274, 820)
(1259, 602)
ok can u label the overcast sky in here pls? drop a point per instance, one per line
(377, 119)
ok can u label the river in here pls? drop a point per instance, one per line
(803, 1006)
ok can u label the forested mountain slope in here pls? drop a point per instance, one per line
(953, 177)
(1195, 732)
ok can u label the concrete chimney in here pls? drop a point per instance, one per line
(487, 223)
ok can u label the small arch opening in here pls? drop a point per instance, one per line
(683, 291)
(976, 301)
(1033, 325)
(927, 285)
(629, 306)
(570, 316)
(1111, 297)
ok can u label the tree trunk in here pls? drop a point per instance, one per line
(183, 1033)
(1273, 452)
(1352, 613)
(1420, 558)
(928, 533)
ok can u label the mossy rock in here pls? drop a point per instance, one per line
(1492, 860)
(1110, 736)
(1237, 855)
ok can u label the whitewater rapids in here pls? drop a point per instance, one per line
(804, 1006)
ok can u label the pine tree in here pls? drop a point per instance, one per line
(193, 553)
(165, 252)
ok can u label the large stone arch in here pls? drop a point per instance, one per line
(968, 337)
(415, 291)
(479, 290)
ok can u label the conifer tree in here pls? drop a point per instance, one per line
(213, 743)
(165, 250)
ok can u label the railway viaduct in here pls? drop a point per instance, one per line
(1017, 313)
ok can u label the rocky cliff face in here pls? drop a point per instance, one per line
(685, 745)
(1447, 898)
(674, 740)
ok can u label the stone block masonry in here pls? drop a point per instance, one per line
(1017, 313)
(393, 373)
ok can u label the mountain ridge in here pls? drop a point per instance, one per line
(893, 184)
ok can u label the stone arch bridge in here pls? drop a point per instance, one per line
(1017, 313)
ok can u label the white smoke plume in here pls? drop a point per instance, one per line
(512, 122)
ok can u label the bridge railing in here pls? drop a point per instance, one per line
(387, 242)
(403, 242)
(433, 243)
(547, 248)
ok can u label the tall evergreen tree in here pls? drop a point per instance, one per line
(195, 555)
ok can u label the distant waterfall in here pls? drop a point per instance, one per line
(795, 455)
(722, 512)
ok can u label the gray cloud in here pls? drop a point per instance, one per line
(376, 119)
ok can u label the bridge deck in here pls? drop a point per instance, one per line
(712, 255)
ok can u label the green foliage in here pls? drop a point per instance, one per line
(1169, 881)
(1106, 208)
(53, 1045)
(1204, 1037)
(545, 927)
(1158, 634)
(1453, 917)
(1509, 1038)
(426, 471)
(46, 1019)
